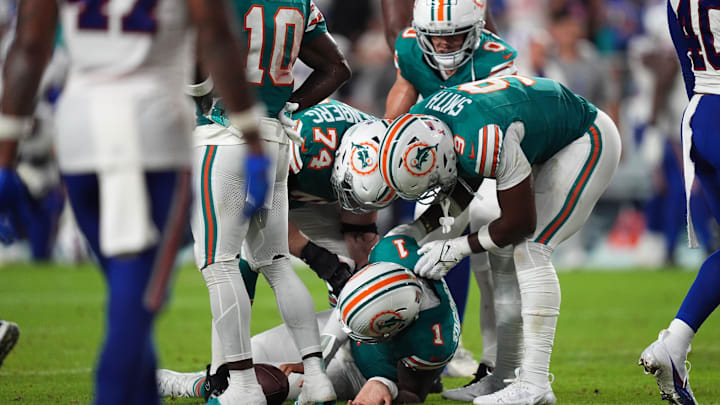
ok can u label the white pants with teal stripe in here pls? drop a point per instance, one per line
(218, 224)
(569, 184)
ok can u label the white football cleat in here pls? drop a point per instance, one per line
(462, 364)
(484, 386)
(316, 390)
(9, 334)
(671, 374)
(519, 393)
(236, 396)
(183, 385)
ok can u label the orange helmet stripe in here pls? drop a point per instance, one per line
(373, 289)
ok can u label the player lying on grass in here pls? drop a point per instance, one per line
(552, 155)
(448, 45)
(413, 319)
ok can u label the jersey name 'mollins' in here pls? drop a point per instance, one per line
(447, 103)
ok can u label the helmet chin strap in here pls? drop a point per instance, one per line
(446, 221)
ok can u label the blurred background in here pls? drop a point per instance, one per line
(616, 53)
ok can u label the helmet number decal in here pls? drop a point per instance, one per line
(437, 332)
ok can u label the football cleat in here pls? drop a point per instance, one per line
(9, 334)
(316, 390)
(462, 364)
(248, 396)
(483, 386)
(671, 374)
(183, 385)
(519, 393)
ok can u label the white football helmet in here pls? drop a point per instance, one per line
(417, 158)
(445, 18)
(379, 301)
(356, 178)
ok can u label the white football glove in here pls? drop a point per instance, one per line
(438, 257)
(288, 124)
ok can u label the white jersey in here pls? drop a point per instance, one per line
(700, 22)
(129, 61)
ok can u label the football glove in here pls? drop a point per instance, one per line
(438, 257)
(256, 173)
(288, 124)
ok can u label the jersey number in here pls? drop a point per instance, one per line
(325, 157)
(288, 25)
(691, 40)
(400, 245)
(139, 19)
(493, 84)
(437, 340)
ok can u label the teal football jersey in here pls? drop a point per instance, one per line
(552, 115)
(321, 127)
(430, 342)
(274, 30)
(493, 56)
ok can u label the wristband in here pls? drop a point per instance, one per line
(364, 228)
(483, 235)
(388, 383)
(321, 261)
(200, 89)
(243, 121)
(14, 127)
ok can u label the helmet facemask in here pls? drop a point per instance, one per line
(450, 60)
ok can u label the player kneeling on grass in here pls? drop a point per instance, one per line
(388, 339)
(552, 154)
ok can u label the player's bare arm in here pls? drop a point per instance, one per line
(360, 234)
(414, 385)
(401, 98)
(397, 15)
(23, 70)
(517, 219)
(223, 57)
(330, 71)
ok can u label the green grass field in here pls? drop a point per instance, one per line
(606, 319)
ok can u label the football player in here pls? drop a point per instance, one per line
(124, 148)
(693, 33)
(395, 358)
(448, 45)
(278, 33)
(497, 128)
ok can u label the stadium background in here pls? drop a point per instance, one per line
(632, 253)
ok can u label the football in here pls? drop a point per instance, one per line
(273, 382)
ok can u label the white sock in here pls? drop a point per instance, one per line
(313, 365)
(243, 379)
(678, 341)
(230, 306)
(540, 295)
(295, 305)
(507, 314)
(480, 265)
(218, 357)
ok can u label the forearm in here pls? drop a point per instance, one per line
(320, 85)
(296, 240)
(397, 15)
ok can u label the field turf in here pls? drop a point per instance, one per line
(606, 320)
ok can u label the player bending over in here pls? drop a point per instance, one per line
(497, 128)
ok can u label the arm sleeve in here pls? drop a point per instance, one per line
(513, 166)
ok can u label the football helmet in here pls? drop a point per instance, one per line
(417, 158)
(356, 178)
(379, 301)
(446, 18)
